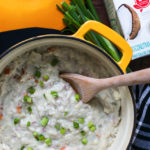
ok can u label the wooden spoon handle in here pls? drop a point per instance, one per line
(138, 77)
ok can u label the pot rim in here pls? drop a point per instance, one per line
(85, 42)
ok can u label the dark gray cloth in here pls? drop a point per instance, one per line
(141, 138)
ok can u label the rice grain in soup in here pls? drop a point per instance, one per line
(40, 111)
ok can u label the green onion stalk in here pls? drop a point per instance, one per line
(76, 14)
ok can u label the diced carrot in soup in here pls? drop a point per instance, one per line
(51, 49)
(18, 108)
(36, 81)
(7, 71)
(63, 148)
(1, 116)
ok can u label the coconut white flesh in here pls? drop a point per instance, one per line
(125, 18)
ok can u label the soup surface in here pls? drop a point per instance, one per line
(40, 111)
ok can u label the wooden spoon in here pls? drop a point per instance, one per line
(87, 87)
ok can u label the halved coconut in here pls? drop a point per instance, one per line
(129, 20)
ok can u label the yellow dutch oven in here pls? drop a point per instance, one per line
(126, 128)
(18, 14)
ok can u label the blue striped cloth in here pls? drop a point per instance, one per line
(141, 138)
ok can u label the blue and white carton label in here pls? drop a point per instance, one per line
(132, 19)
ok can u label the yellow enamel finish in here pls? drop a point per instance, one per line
(111, 35)
(17, 14)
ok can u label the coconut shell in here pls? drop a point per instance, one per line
(136, 25)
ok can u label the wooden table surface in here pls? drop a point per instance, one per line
(100, 8)
(137, 64)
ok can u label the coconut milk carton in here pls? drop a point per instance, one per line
(131, 18)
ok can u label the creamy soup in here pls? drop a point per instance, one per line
(41, 111)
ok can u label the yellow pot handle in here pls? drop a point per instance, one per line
(111, 35)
